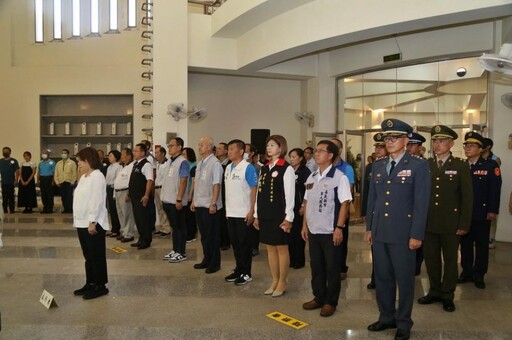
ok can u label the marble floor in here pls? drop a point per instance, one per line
(153, 299)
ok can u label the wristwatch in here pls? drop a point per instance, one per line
(340, 226)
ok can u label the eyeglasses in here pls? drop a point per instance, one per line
(392, 139)
(320, 150)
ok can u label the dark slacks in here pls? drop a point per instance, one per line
(240, 236)
(344, 248)
(297, 244)
(394, 265)
(210, 237)
(142, 217)
(46, 186)
(325, 273)
(179, 227)
(190, 218)
(441, 248)
(8, 197)
(93, 248)
(419, 259)
(112, 209)
(475, 261)
(66, 193)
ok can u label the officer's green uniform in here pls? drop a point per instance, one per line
(451, 202)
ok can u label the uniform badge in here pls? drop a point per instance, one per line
(309, 186)
(12, 162)
(274, 174)
(450, 172)
(378, 136)
(51, 162)
(404, 173)
(437, 129)
(389, 123)
(325, 185)
(497, 171)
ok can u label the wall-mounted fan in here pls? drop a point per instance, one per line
(506, 99)
(501, 63)
(305, 118)
(197, 114)
(177, 111)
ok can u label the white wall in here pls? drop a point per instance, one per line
(238, 104)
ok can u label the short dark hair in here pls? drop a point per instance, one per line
(179, 141)
(90, 155)
(299, 153)
(65, 150)
(162, 149)
(27, 153)
(337, 141)
(142, 146)
(281, 141)
(147, 143)
(331, 148)
(128, 151)
(309, 148)
(488, 142)
(7, 148)
(191, 154)
(225, 145)
(252, 148)
(238, 142)
(116, 154)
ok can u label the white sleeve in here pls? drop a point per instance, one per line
(289, 193)
(344, 190)
(147, 170)
(217, 173)
(97, 197)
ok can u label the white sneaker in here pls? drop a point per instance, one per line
(178, 258)
(169, 256)
(492, 245)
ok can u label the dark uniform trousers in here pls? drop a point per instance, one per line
(325, 260)
(296, 243)
(210, 237)
(179, 225)
(475, 263)
(142, 217)
(437, 244)
(344, 247)
(46, 185)
(240, 236)
(66, 193)
(93, 248)
(8, 197)
(112, 209)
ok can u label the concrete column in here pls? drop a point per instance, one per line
(170, 66)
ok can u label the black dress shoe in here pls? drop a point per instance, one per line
(200, 266)
(135, 245)
(143, 246)
(125, 240)
(427, 300)
(380, 326)
(212, 270)
(87, 287)
(448, 305)
(96, 292)
(402, 334)
(479, 283)
(464, 278)
(370, 285)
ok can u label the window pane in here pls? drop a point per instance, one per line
(132, 13)
(76, 18)
(39, 20)
(95, 23)
(57, 19)
(113, 15)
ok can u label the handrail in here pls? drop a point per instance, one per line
(146, 34)
(145, 21)
(148, 88)
(147, 74)
(147, 102)
(147, 61)
(145, 6)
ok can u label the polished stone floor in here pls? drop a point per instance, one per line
(153, 299)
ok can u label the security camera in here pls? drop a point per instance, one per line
(461, 72)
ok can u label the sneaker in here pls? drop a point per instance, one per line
(492, 245)
(170, 255)
(243, 279)
(191, 240)
(178, 258)
(231, 277)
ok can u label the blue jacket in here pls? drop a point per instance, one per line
(486, 177)
(398, 204)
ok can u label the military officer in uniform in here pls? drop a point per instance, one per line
(486, 178)
(449, 217)
(396, 217)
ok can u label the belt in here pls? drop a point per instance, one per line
(117, 190)
(158, 187)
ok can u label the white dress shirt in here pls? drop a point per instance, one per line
(89, 201)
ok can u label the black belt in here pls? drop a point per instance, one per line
(117, 190)
(158, 187)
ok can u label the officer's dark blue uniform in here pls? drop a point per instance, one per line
(396, 213)
(486, 199)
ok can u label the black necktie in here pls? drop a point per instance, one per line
(440, 164)
(393, 163)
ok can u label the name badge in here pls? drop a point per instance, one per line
(309, 186)
(450, 172)
(404, 173)
(480, 172)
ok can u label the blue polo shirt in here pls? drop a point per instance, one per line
(347, 169)
(8, 169)
(46, 168)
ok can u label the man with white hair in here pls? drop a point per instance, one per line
(206, 201)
